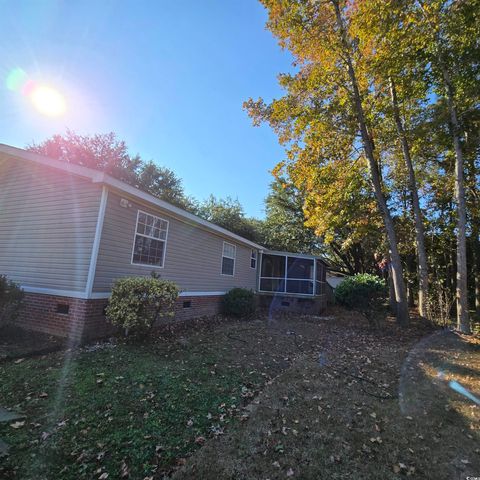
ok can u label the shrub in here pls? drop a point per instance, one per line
(137, 302)
(11, 300)
(239, 302)
(361, 291)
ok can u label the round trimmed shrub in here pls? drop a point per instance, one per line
(360, 291)
(137, 302)
(239, 302)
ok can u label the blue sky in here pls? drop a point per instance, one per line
(168, 77)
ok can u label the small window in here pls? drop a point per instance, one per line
(253, 259)
(228, 259)
(150, 240)
(187, 304)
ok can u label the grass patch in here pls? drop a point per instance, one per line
(127, 409)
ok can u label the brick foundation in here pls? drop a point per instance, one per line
(85, 319)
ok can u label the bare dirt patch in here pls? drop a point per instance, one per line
(351, 402)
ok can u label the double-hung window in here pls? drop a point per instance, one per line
(150, 240)
(253, 259)
(228, 259)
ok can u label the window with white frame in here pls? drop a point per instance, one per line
(253, 259)
(150, 240)
(228, 258)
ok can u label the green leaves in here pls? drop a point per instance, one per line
(136, 302)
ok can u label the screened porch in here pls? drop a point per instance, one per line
(291, 274)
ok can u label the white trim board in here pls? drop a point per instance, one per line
(96, 242)
(103, 295)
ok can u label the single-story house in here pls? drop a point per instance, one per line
(67, 232)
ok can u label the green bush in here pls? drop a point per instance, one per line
(137, 302)
(361, 291)
(11, 300)
(239, 302)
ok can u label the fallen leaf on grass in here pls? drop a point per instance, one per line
(17, 424)
(124, 472)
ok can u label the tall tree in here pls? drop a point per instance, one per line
(102, 152)
(105, 152)
(228, 213)
(329, 96)
(398, 74)
(284, 226)
(163, 183)
(451, 31)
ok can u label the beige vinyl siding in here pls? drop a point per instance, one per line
(193, 256)
(47, 225)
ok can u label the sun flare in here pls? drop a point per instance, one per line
(48, 101)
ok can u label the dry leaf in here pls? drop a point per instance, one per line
(17, 424)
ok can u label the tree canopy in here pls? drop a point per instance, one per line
(106, 153)
(379, 120)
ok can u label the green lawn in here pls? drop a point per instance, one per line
(127, 408)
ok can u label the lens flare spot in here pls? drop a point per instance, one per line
(48, 101)
(16, 78)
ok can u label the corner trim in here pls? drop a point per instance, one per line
(96, 243)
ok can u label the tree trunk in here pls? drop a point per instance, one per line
(476, 265)
(417, 213)
(392, 301)
(463, 322)
(396, 264)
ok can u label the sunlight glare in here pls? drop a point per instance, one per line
(48, 101)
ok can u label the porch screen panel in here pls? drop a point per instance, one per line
(300, 275)
(272, 274)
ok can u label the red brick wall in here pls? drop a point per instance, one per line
(199, 307)
(85, 319)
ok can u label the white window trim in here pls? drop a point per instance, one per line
(234, 258)
(153, 238)
(252, 258)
